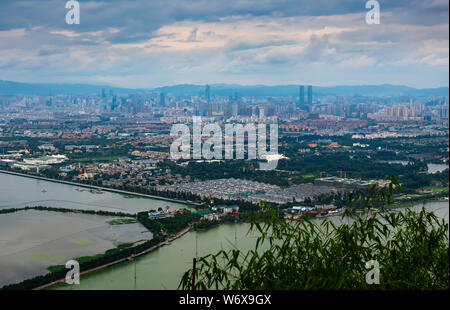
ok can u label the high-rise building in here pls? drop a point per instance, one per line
(301, 94)
(310, 95)
(196, 110)
(418, 107)
(234, 109)
(443, 111)
(399, 113)
(162, 99)
(261, 113)
(208, 94)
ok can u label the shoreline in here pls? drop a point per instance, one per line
(156, 246)
(417, 202)
(106, 189)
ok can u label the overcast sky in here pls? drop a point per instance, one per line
(151, 43)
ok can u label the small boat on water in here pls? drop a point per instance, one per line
(96, 191)
(44, 190)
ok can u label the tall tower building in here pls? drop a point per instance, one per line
(301, 95)
(162, 99)
(234, 109)
(310, 95)
(208, 106)
(208, 94)
(261, 113)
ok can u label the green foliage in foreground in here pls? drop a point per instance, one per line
(411, 248)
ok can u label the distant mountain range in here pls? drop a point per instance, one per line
(293, 90)
(15, 88)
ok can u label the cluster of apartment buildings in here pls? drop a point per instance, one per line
(255, 192)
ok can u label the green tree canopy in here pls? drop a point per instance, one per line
(411, 248)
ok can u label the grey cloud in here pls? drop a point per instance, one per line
(47, 54)
(138, 19)
(193, 35)
(48, 51)
(240, 46)
(315, 49)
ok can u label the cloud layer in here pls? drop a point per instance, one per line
(152, 43)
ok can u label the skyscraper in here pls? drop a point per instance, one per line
(310, 95)
(261, 113)
(162, 99)
(234, 109)
(208, 94)
(301, 95)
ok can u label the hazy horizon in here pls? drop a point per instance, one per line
(220, 83)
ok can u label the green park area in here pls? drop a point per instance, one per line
(122, 221)
(436, 189)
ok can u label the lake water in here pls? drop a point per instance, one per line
(431, 168)
(164, 267)
(17, 191)
(31, 240)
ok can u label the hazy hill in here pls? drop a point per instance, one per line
(292, 90)
(13, 88)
